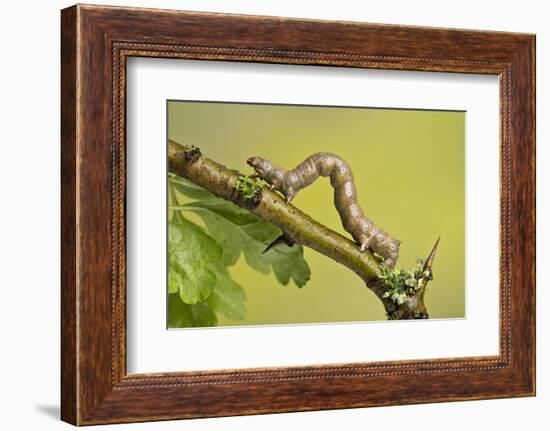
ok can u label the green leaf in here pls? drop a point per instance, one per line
(174, 281)
(182, 315)
(238, 231)
(190, 251)
(228, 225)
(228, 298)
(288, 262)
(176, 215)
(189, 189)
(199, 285)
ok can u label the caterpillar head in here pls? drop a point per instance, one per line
(261, 166)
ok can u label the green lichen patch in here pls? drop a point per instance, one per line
(401, 284)
(248, 189)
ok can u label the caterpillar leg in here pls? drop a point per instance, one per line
(364, 246)
(391, 258)
(364, 242)
(289, 195)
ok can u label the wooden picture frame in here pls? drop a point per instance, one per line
(95, 43)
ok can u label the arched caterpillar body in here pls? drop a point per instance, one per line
(361, 228)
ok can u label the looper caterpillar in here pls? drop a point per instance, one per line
(361, 228)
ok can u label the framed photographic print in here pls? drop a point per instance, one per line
(264, 214)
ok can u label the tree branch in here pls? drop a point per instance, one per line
(188, 162)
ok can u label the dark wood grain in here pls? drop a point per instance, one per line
(69, 398)
(96, 41)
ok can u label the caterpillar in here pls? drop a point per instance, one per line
(365, 233)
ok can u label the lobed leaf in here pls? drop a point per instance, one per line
(181, 315)
(190, 251)
(200, 286)
(238, 231)
(189, 189)
(228, 297)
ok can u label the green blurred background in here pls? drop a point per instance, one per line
(409, 168)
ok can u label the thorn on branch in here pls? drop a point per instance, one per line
(430, 260)
(281, 239)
